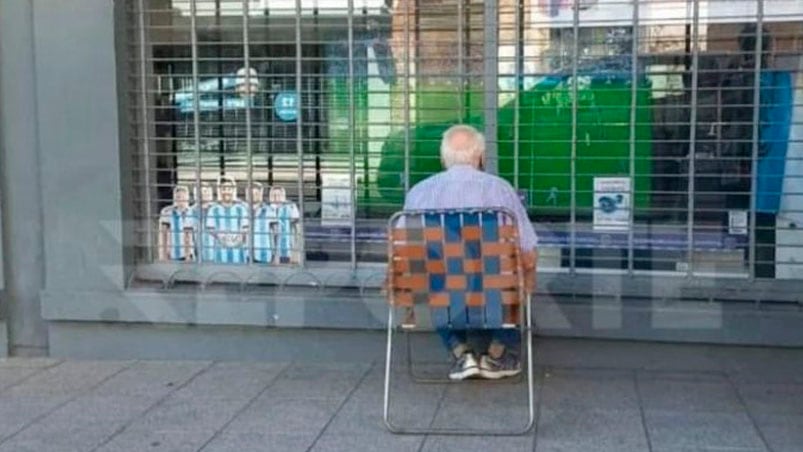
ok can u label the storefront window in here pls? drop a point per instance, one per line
(661, 136)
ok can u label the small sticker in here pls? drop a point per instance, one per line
(737, 222)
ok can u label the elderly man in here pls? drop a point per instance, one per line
(464, 185)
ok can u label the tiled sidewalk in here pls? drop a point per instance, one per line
(590, 396)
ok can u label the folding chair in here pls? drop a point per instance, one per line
(466, 267)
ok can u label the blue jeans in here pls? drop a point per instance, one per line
(509, 337)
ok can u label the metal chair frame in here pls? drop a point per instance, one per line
(524, 322)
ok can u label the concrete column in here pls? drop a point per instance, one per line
(20, 182)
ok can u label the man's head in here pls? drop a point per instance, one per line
(207, 193)
(256, 194)
(226, 189)
(463, 145)
(246, 83)
(181, 197)
(278, 195)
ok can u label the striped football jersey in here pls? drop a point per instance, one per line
(177, 221)
(286, 214)
(264, 219)
(228, 223)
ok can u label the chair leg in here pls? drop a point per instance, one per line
(388, 355)
(449, 431)
(530, 371)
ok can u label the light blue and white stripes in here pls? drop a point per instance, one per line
(264, 218)
(177, 221)
(229, 225)
(286, 215)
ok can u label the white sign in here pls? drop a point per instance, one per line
(336, 202)
(612, 203)
(737, 222)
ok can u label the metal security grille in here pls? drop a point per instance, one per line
(646, 137)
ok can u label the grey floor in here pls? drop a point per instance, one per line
(590, 396)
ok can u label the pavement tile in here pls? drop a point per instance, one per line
(763, 398)
(231, 381)
(49, 440)
(708, 449)
(462, 416)
(386, 442)
(68, 378)
(317, 381)
(18, 411)
(762, 364)
(507, 393)
(783, 433)
(188, 414)
(565, 446)
(591, 429)
(689, 376)
(257, 442)
(158, 441)
(61, 436)
(28, 362)
(285, 415)
(604, 354)
(152, 378)
(361, 418)
(477, 443)
(696, 429)
(399, 390)
(589, 389)
(12, 375)
(92, 409)
(671, 394)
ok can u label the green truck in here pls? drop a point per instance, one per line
(540, 165)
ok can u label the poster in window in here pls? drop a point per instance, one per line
(612, 198)
(336, 203)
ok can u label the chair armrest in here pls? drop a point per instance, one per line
(529, 261)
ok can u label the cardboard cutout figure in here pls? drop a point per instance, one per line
(204, 242)
(176, 224)
(227, 223)
(287, 229)
(264, 219)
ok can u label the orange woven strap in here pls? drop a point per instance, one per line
(503, 282)
(418, 282)
(471, 233)
(417, 251)
(406, 298)
(498, 249)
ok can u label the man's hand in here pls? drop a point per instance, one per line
(529, 261)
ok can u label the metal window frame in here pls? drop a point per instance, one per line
(491, 92)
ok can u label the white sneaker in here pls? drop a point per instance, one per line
(464, 367)
(507, 365)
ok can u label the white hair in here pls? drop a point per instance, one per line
(467, 154)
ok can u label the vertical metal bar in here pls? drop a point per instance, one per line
(491, 26)
(634, 84)
(406, 91)
(573, 161)
(352, 138)
(299, 130)
(196, 119)
(248, 135)
(519, 65)
(695, 59)
(146, 139)
(461, 70)
(756, 118)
